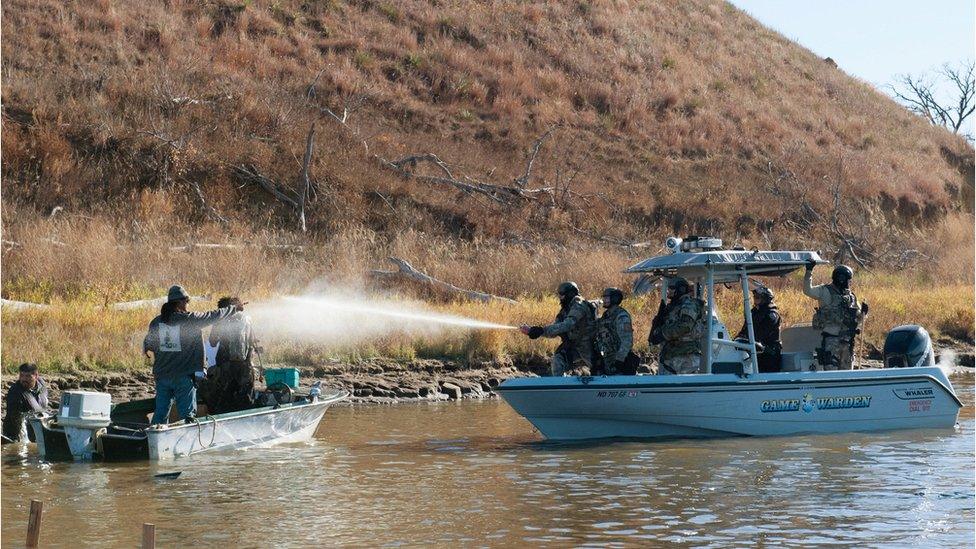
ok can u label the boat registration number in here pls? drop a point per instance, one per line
(616, 394)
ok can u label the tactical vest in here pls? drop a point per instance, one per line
(691, 342)
(841, 311)
(583, 332)
(232, 334)
(607, 338)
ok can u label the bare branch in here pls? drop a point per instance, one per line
(304, 182)
(407, 271)
(250, 174)
(523, 180)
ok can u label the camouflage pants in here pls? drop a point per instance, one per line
(680, 364)
(838, 354)
(565, 360)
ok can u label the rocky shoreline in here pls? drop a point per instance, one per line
(371, 382)
(378, 381)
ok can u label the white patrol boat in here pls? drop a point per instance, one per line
(733, 398)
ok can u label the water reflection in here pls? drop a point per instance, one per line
(476, 473)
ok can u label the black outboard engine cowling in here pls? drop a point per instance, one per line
(908, 346)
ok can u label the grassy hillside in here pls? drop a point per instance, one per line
(132, 127)
(684, 116)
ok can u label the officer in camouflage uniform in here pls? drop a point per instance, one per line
(615, 337)
(839, 317)
(678, 328)
(575, 325)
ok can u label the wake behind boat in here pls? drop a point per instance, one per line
(733, 398)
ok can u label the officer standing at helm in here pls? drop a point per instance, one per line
(765, 327)
(679, 327)
(575, 324)
(838, 318)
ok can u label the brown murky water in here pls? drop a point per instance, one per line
(474, 473)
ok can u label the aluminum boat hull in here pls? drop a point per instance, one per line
(725, 405)
(293, 422)
(258, 427)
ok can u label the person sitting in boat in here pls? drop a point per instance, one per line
(839, 317)
(28, 395)
(678, 327)
(615, 337)
(575, 324)
(765, 326)
(175, 344)
(230, 382)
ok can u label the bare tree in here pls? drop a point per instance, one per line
(919, 94)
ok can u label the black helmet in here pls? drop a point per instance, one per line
(567, 290)
(680, 285)
(763, 292)
(841, 277)
(612, 296)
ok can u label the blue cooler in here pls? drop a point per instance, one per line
(288, 376)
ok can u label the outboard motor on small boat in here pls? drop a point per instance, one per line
(82, 415)
(908, 346)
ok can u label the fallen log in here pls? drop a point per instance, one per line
(406, 271)
(12, 305)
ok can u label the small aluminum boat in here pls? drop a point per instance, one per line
(77, 433)
(733, 398)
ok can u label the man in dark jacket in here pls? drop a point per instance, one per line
(232, 377)
(27, 396)
(765, 326)
(176, 343)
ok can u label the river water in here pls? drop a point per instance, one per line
(475, 473)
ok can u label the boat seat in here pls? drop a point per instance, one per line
(800, 338)
(797, 362)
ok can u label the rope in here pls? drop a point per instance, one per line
(213, 435)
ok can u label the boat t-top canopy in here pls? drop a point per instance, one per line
(703, 260)
(726, 265)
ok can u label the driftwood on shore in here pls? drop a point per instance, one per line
(406, 271)
(12, 305)
(10, 244)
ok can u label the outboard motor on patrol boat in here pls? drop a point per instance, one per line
(908, 346)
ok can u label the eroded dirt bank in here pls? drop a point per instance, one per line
(375, 381)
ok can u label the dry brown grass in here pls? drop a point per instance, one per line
(671, 111)
(669, 116)
(81, 336)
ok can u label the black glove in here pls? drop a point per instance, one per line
(811, 264)
(536, 332)
(864, 308)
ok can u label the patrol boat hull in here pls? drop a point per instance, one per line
(726, 405)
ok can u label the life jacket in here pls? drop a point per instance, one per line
(841, 310)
